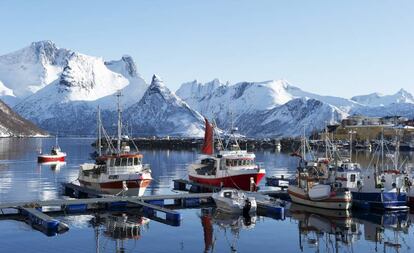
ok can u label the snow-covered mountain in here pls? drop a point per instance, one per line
(290, 119)
(78, 76)
(277, 108)
(377, 99)
(224, 101)
(83, 83)
(394, 109)
(28, 70)
(59, 89)
(12, 124)
(160, 113)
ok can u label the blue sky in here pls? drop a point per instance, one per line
(329, 47)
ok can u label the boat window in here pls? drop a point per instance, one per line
(117, 161)
(239, 162)
(136, 161)
(353, 177)
(111, 162)
(227, 195)
(227, 162)
(130, 161)
(124, 161)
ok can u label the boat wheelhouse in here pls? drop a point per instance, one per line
(120, 172)
(234, 168)
(117, 173)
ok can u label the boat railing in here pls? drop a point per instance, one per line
(260, 165)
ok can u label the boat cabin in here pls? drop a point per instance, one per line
(115, 165)
(209, 165)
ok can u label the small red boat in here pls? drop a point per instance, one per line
(56, 155)
(233, 168)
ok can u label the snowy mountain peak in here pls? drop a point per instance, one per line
(156, 81)
(377, 99)
(125, 66)
(160, 112)
(27, 70)
(45, 50)
(404, 94)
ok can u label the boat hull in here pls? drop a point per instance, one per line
(51, 158)
(235, 181)
(135, 187)
(224, 206)
(380, 200)
(299, 196)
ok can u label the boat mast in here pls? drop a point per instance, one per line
(118, 143)
(213, 124)
(397, 149)
(99, 132)
(382, 148)
(304, 144)
(326, 142)
(351, 132)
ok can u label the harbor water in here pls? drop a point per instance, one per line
(202, 230)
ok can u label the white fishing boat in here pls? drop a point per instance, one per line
(119, 172)
(315, 186)
(234, 201)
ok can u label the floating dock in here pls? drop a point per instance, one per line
(160, 208)
(153, 207)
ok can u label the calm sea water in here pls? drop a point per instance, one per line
(305, 230)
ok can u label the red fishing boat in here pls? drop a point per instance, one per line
(56, 155)
(230, 167)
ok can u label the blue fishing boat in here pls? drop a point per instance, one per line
(383, 186)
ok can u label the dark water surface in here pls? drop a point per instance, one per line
(305, 230)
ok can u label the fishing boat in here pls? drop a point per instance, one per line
(382, 187)
(234, 201)
(119, 172)
(315, 186)
(230, 167)
(56, 154)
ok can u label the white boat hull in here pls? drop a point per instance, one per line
(299, 196)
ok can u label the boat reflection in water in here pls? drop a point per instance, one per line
(318, 225)
(225, 222)
(118, 227)
(55, 166)
(324, 229)
(385, 229)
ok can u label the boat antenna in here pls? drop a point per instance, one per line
(56, 139)
(118, 143)
(99, 132)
